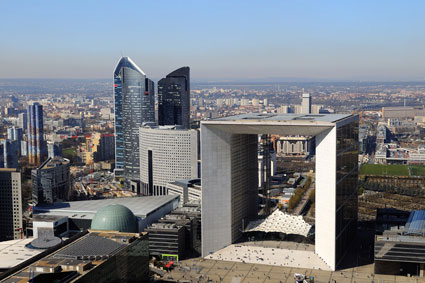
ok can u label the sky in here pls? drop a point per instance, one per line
(219, 39)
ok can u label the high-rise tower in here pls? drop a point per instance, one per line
(174, 98)
(36, 146)
(306, 104)
(134, 104)
(11, 205)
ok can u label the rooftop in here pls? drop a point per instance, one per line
(91, 249)
(294, 118)
(15, 252)
(280, 124)
(86, 209)
(53, 162)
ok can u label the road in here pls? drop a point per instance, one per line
(300, 206)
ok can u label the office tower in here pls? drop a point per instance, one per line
(134, 104)
(23, 121)
(51, 181)
(24, 148)
(16, 135)
(10, 152)
(167, 154)
(105, 147)
(229, 184)
(174, 98)
(306, 104)
(36, 146)
(11, 205)
(54, 149)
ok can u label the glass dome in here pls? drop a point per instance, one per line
(115, 217)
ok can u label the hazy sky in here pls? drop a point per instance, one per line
(345, 40)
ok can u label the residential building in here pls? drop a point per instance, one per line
(402, 112)
(295, 146)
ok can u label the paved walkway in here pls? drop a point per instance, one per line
(270, 256)
(200, 270)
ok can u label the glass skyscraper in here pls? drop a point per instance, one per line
(36, 145)
(134, 104)
(174, 98)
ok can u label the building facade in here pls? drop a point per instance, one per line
(174, 98)
(9, 151)
(306, 104)
(134, 104)
(167, 154)
(54, 149)
(188, 190)
(229, 178)
(23, 121)
(51, 181)
(11, 205)
(15, 134)
(36, 144)
(294, 146)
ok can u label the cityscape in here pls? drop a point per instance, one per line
(161, 165)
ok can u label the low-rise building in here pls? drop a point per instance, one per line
(188, 190)
(93, 256)
(400, 248)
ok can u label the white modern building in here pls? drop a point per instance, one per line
(229, 177)
(167, 154)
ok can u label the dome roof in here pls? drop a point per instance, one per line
(115, 217)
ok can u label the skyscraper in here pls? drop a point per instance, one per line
(23, 121)
(306, 104)
(174, 98)
(134, 104)
(36, 146)
(11, 204)
(16, 135)
(10, 153)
